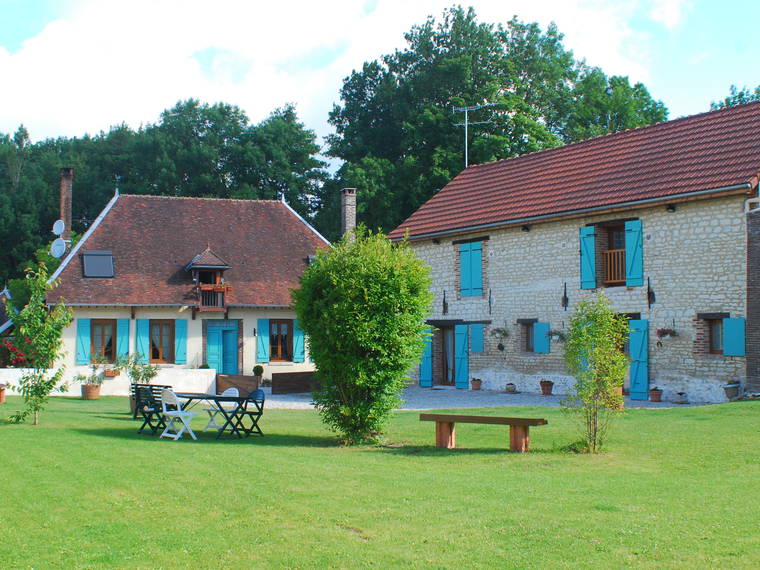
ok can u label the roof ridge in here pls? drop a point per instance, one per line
(200, 198)
(606, 136)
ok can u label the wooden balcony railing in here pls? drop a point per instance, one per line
(613, 265)
(211, 297)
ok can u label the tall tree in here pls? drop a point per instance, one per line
(737, 97)
(397, 133)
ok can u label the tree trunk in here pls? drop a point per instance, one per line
(36, 418)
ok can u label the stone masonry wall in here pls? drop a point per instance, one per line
(694, 257)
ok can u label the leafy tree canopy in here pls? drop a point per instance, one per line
(737, 97)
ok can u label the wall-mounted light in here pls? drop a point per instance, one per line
(525, 228)
(254, 331)
(670, 207)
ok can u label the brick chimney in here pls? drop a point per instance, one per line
(67, 179)
(347, 210)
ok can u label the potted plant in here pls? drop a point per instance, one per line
(91, 384)
(655, 394)
(546, 387)
(258, 372)
(502, 334)
(476, 383)
(681, 398)
(732, 388)
(139, 373)
(666, 333)
(557, 335)
(511, 388)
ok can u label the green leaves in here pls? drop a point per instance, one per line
(362, 305)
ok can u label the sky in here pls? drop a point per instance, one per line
(70, 67)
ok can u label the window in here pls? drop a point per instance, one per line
(528, 337)
(162, 341)
(471, 269)
(280, 340)
(97, 263)
(612, 237)
(715, 336)
(103, 340)
(612, 254)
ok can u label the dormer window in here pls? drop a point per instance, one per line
(207, 269)
(98, 263)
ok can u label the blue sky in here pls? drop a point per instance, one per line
(76, 66)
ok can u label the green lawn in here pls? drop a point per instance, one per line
(677, 488)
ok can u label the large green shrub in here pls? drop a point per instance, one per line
(362, 305)
(594, 356)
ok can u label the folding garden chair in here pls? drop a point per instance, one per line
(214, 411)
(175, 416)
(149, 408)
(254, 409)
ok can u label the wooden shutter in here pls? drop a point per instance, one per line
(465, 279)
(180, 341)
(142, 340)
(541, 338)
(477, 342)
(262, 341)
(426, 362)
(122, 338)
(733, 337)
(214, 348)
(588, 257)
(298, 343)
(461, 356)
(83, 341)
(634, 254)
(638, 343)
(476, 269)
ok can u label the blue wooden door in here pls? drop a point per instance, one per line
(214, 349)
(461, 356)
(229, 352)
(639, 349)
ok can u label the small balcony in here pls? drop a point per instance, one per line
(211, 297)
(613, 266)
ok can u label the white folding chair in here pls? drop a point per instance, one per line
(175, 416)
(214, 411)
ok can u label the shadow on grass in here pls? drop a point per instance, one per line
(432, 451)
(209, 438)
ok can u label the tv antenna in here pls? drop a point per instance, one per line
(58, 247)
(466, 123)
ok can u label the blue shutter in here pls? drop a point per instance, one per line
(476, 269)
(122, 337)
(83, 341)
(142, 340)
(262, 341)
(638, 344)
(588, 257)
(298, 342)
(214, 348)
(476, 337)
(465, 279)
(229, 351)
(541, 338)
(634, 254)
(461, 357)
(426, 363)
(733, 337)
(180, 341)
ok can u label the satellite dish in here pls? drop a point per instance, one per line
(58, 227)
(58, 248)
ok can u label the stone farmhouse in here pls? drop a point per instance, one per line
(663, 219)
(186, 282)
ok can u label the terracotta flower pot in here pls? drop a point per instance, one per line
(110, 372)
(655, 395)
(476, 383)
(731, 390)
(90, 391)
(2, 393)
(546, 387)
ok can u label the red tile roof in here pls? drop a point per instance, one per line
(153, 238)
(702, 152)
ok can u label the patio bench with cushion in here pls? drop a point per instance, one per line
(445, 431)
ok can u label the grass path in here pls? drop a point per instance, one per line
(677, 488)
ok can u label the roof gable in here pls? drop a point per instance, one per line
(709, 151)
(154, 237)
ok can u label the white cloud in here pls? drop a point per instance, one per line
(669, 13)
(108, 62)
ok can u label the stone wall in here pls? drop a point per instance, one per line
(753, 301)
(694, 258)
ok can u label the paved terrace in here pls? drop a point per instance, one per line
(417, 398)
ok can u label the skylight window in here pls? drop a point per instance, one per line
(97, 263)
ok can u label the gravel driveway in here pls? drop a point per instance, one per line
(417, 398)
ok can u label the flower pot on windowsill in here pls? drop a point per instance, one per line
(546, 387)
(476, 383)
(90, 391)
(111, 372)
(655, 395)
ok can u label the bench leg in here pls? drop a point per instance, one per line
(445, 435)
(519, 440)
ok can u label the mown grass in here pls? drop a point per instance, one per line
(676, 488)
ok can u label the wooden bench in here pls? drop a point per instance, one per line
(445, 432)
